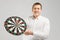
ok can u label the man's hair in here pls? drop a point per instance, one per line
(37, 3)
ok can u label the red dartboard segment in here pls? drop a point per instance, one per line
(22, 23)
(23, 26)
(17, 22)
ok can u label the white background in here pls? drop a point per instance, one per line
(22, 8)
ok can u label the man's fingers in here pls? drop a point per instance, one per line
(28, 32)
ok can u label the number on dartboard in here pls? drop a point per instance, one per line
(15, 25)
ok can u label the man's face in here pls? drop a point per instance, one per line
(36, 10)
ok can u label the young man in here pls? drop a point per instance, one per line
(38, 26)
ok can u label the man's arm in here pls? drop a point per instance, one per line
(40, 34)
(43, 34)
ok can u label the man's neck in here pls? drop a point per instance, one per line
(36, 17)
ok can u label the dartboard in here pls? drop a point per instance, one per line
(15, 25)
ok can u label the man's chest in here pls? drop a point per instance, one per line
(36, 24)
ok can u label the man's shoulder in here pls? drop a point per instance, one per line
(45, 18)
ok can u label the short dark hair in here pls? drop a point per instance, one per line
(37, 3)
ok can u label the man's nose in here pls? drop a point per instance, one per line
(36, 9)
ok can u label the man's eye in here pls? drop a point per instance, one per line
(38, 8)
(34, 8)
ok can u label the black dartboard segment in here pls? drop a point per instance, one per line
(15, 25)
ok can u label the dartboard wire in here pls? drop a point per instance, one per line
(17, 31)
(15, 19)
(9, 30)
(6, 24)
(9, 27)
(9, 23)
(13, 30)
(20, 21)
(21, 29)
(11, 20)
(23, 26)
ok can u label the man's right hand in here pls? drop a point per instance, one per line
(28, 32)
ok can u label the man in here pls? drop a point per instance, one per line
(38, 27)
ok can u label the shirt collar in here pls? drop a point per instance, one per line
(37, 17)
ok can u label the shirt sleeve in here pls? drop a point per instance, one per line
(43, 34)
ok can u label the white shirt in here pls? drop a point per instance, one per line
(40, 28)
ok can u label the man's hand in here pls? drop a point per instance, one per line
(28, 32)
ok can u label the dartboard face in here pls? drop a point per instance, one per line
(15, 25)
